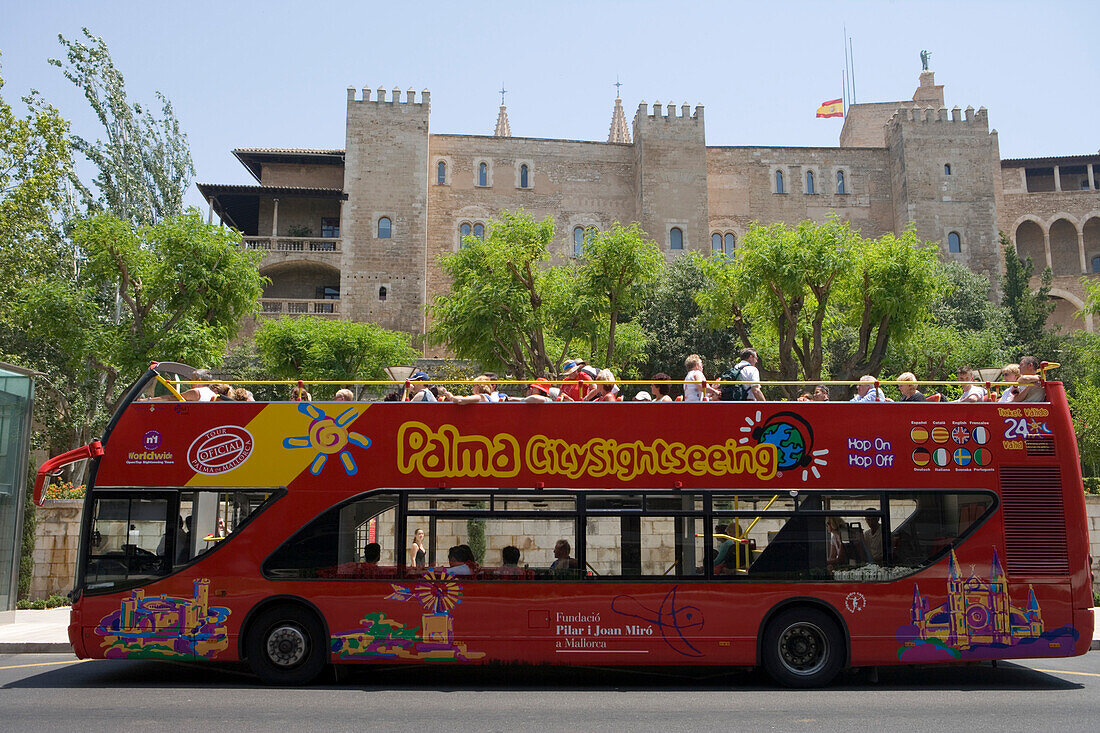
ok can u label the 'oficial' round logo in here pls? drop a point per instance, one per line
(220, 449)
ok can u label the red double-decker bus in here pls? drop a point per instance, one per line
(801, 537)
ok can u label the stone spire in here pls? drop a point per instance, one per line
(620, 133)
(503, 129)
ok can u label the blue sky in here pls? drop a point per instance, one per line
(274, 74)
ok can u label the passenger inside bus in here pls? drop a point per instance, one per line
(562, 560)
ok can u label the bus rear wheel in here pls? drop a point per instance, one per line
(803, 647)
(286, 646)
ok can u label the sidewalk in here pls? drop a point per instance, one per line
(46, 632)
(37, 632)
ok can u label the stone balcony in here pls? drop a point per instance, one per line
(272, 307)
(288, 249)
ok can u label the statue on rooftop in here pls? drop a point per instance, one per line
(924, 56)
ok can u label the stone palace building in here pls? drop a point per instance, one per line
(356, 233)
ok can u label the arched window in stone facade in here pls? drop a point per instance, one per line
(384, 228)
(578, 241)
(731, 244)
(479, 231)
(382, 293)
(1096, 264)
(464, 230)
(947, 169)
(779, 182)
(676, 238)
(716, 242)
(840, 187)
(523, 176)
(954, 243)
(810, 182)
(441, 173)
(482, 174)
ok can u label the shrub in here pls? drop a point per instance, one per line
(1092, 484)
(66, 490)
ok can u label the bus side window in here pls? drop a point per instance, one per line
(338, 543)
(128, 541)
(208, 518)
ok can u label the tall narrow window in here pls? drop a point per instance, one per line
(464, 230)
(947, 169)
(483, 175)
(810, 182)
(1096, 264)
(676, 238)
(578, 241)
(441, 173)
(384, 228)
(716, 242)
(954, 244)
(731, 243)
(479, 231)
(840, 187)
(382, 293)
(779, 181)
(523, 176)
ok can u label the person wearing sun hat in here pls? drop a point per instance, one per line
(538, 391)
(573, 385)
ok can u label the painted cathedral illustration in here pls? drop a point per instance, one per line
(976, 612)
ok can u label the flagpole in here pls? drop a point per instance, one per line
(852, 53)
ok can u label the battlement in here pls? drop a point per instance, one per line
(410, 96)
(931, 115)
(669, 113)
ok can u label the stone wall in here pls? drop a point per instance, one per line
(56, 543)
(1092, 508)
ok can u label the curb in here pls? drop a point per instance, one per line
(35, 647)
(1095, 645)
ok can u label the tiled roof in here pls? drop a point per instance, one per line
(213, 188)
(290, 151)
(1049, 160)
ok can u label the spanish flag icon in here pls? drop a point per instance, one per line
(832, 108)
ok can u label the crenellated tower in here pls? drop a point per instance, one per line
(670, 157)
(385, 215)
(942, 167)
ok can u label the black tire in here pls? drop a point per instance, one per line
(286, 646)
(803, 647)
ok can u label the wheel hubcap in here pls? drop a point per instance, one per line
(803, 648)
(287, 646)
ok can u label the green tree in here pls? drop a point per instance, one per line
(34, 164)
(324, 349)
(617, 266)
(176, 290)
(1027, 311)
(144, 166)
(507, 309)
(887, 293)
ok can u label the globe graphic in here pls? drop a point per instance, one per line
(789, 444)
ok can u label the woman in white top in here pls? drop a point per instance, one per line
(695, 383)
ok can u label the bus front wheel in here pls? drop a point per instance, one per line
(803, 647)
(286, 646)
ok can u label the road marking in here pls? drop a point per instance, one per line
(1062, 671)
(44, 664)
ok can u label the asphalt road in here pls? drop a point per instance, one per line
(57, 692)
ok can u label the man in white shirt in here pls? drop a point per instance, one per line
(971, 391)
(866, 391)
(750, 373)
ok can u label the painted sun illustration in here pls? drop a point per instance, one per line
(329, 436)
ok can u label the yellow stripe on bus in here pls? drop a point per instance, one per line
(271, 463)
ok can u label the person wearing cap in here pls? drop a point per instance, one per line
(418, 388)
(573, 385)
(643, 396)
(538, 391)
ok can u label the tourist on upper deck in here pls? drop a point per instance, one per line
(821, 393)
(418, 388)
(971, 391)
(1010, 373)
(299, 394)
(643, 396)
(750, 372)
(538, 391)
(576, 381)
(344, 395)
(907, 385)
(806, 396)
(1029, 384)
(240, 394)
(866, 391)
(661, 389)
(482, 388)
(608, 391)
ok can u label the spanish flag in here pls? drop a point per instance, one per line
(832, 108)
